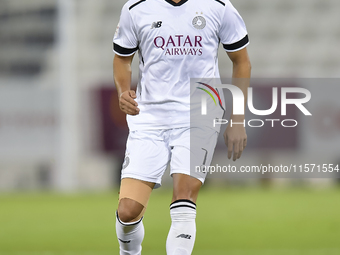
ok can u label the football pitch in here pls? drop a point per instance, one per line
(238, 221)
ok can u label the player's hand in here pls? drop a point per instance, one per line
(127, 103)
(235, 138)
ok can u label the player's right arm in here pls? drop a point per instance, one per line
(125, 45)
(122, 77)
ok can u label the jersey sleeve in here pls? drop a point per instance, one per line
(233, 33)
(125, 42)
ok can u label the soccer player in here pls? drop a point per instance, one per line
(176, 40)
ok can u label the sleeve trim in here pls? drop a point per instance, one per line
(220, 2)
(134, 5)
(238, 45)
(123, 51)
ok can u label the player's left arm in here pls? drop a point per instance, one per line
(235, 136)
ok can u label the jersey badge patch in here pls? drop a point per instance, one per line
(199, 22)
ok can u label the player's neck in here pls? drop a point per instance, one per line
(176, 1)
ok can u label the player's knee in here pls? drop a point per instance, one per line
(129, 210)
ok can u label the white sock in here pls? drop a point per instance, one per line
(182, 234)
(130, 236)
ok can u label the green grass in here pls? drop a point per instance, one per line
(229, 221)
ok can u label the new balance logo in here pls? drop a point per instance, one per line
(157, 24)
(124, 241)
(184, 236)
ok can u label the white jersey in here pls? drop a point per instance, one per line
(176, 42)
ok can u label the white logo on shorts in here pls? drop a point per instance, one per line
(126, 162)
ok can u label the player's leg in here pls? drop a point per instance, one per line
(181, 237)
(186, 185)
(145, 161)
(133, 200)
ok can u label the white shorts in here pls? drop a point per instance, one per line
(148, 152)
